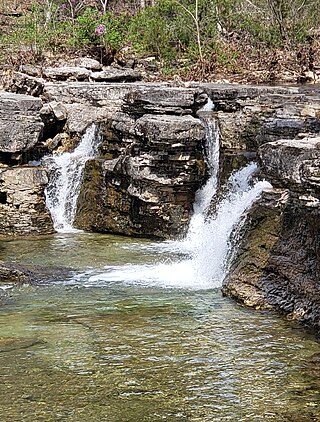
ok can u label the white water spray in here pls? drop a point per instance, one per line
(66, 173)
(207, 242)
(205, 194)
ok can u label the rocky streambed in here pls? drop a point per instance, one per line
(152, 160)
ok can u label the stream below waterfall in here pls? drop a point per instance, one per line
(110, 340)
(127, 330)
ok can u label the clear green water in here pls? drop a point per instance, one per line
(111, 351)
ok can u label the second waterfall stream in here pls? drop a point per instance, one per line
(65, 179)
(200, 260)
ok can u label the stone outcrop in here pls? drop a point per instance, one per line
(278, 263)
(20, 122)
(146, 186)
(22, 202)
(151, 162)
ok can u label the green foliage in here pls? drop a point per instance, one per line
(151, 31)
(114, 36)
(177, 32)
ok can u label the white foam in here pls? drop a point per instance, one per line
(207, 245)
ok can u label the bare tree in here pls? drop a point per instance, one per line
(103, 4)
(48, 12)
(75, 7)
(195, 17)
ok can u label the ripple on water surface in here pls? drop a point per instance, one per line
(96, 349)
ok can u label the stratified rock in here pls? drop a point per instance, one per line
(292, 163)
(278, 258)
(148, 184)
(67, 72)
(113, 74)
(87, 102)
(20, 122)
(22, 202)
(256, 242)
(250, 116)
(161, 99)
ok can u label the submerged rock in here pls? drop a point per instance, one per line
(13, 273)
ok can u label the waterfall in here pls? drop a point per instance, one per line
(65, 179)
(204, 253)
(205, 194)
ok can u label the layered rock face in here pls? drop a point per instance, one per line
(278, 263)
(146, 187)
(20, 122)
(22, 202)
(151, 166)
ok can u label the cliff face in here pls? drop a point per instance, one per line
(146, 186)
(278, 262)
(22, 203)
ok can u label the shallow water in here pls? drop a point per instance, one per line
(117, 340)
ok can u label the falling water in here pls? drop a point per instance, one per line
(205, 194)
(204, 252)
(65, 179)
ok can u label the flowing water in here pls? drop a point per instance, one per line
(128, 330)
(132, 349)
(65, 179)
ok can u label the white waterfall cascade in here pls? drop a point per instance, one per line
(206, 247)
(66, 172)
(205, 194)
